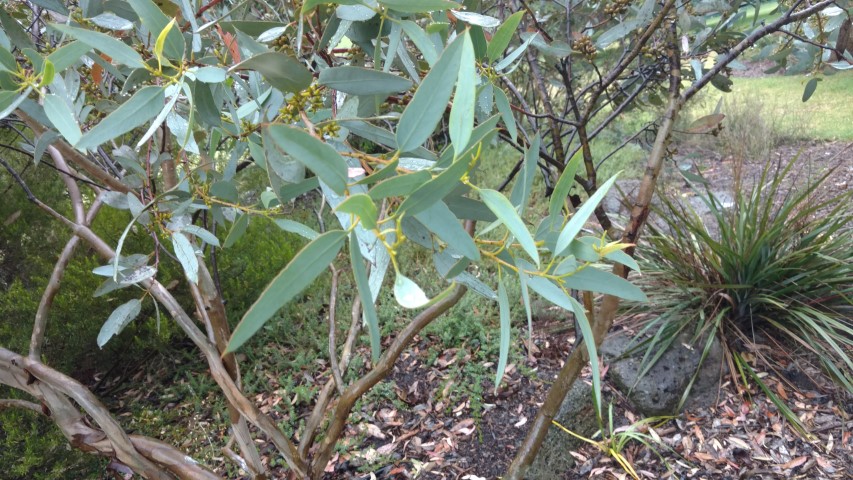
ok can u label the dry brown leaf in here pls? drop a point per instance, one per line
(796, 462)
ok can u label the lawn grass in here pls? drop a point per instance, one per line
(822, 117)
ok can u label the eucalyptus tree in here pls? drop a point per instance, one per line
(158, 109)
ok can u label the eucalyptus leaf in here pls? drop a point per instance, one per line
(506, 330)
(118, 51)
(368, 309)
(363, 81)
(461, 122)
(420, 6)
(281, 71)
(317, 156)
(186, 255)
(144, 105)
(407, 293)
(120, 318)
(503, 35)
(310, 262)
(423, 113)
(62, 118)
(576, 223)
(507, 214)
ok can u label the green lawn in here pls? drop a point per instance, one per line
(824, 117)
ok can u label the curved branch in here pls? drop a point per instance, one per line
(149, 457)
(46, 302)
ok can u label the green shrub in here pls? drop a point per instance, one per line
(779, 260)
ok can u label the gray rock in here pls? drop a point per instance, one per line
(659, 391)
(618, 199)
(578, 415)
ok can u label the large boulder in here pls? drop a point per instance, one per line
(659, 391)
(578, 415)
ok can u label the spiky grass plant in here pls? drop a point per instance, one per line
(780, 260)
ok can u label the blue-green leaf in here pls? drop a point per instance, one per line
(317, 156)
(594, 280)
(434, 190)
(310, 262)
(503, 35)
(524, 180)
(155, 21)
(297, 228)
(507, 214)
(115, 49)
(141, 107)
(564, 185)
(62, 118)
(573, 227)
(407, 293)
(203, 234)
(502, 102)
(461, 121)
(210, 75)
(281, 71)
(363, 81)
(503, 352)
(361, 206)
(237, 231)
(589, 342)
(186, 255)
(430, 100)
(399, 185)
(65, 56)
(420, 6)
(421, 40)
(120, 318)
(368, 309)
(441, 222)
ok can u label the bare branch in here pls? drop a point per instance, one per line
(789, 17)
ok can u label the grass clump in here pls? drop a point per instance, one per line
(780, 260)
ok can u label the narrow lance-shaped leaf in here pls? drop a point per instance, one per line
(525, 298)
(420, 6)
(115, 49)
(507, 214)
(430, 100)
(595, 280)
(281, 71)
(573, 227)
(564, 184)
(319, 157)
(363, 81)
(434, 190)
(141, 107)
(502, 102)
(503, 353)
(310, 262)
(589, 343)
(524, 182)
(186, 255)
(155, 21)
(237, 231)
(368, 309)
(502, 37)
(462, 113)
(120, 318)
(62, 118)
